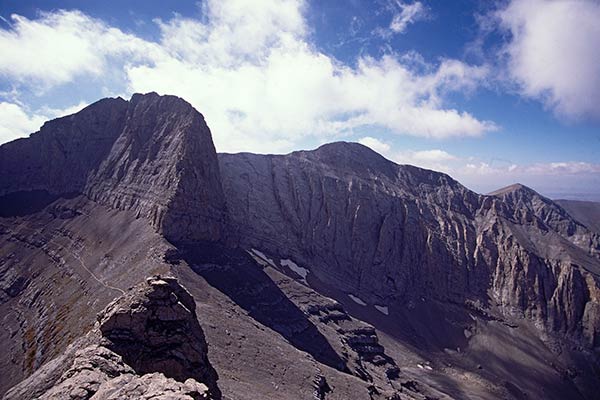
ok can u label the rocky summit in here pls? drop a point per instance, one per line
(325, 274)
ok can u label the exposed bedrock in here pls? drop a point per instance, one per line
(394, 233)
(146, 344)
(152, 155)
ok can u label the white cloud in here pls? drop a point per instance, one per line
(375, 144)
(554, 178)
(403, 14)
(293, 91)
(563, 168)
(553, 53)
(16, 123)
(60, 46)
(435, 159)
(252, 71)
(61, 112)
(409, 13)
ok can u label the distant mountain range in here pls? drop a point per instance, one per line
(325, 274)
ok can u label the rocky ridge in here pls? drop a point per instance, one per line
(394, 233)
(147, 344)
(383, 281)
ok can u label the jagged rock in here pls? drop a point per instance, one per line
(151, 386)
(154, 328)
(356, 223)
(396, 233)
(147, 345)
(152, 155)
(321, 387)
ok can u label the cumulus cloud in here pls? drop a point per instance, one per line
(436, 159)
(252, 71)
(60, 46)
(375, 144)
(279, 88)
(553, 53)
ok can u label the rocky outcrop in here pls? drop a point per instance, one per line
(146, 344)
(396, 234)
(154, 328)
(152, 155)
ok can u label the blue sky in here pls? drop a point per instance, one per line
(490, 92)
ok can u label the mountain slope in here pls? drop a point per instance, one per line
(587, 212)
(379, 281)
(392, 234)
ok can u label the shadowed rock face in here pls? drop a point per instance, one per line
(155, 329)
(422, 276)
(395, 234)
(147, 344)
(152, 155)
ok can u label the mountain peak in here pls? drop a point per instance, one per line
(153, 154)
(514, 188)
(351, 157)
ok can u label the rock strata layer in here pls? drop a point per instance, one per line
(152, 155)
(397, 234)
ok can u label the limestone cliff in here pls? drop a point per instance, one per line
(152, 155)
(395, 234)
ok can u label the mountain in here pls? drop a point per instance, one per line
(588, 212)
(326, 274)
(152, 155)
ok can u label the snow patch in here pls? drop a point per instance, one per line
(303, 272)
(262, 259)
(382, 309)
(357, 300)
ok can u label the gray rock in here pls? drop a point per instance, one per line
(147, 345)
(397, 234)
(155, 329)
(152, 155)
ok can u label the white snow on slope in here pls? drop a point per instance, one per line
(262, 259)
(382, 309)
(303, 272)
(357, 300)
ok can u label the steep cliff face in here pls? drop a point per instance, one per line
(396, 234)
(152, 155)
(163, 166)
(378, 280)
(546, 263)
(59, 158)
(356, 220)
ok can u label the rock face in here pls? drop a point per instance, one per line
(396, 234)
(329, 274)
(154, 328)
(152, 155)
(587, 212)
(146, 345)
